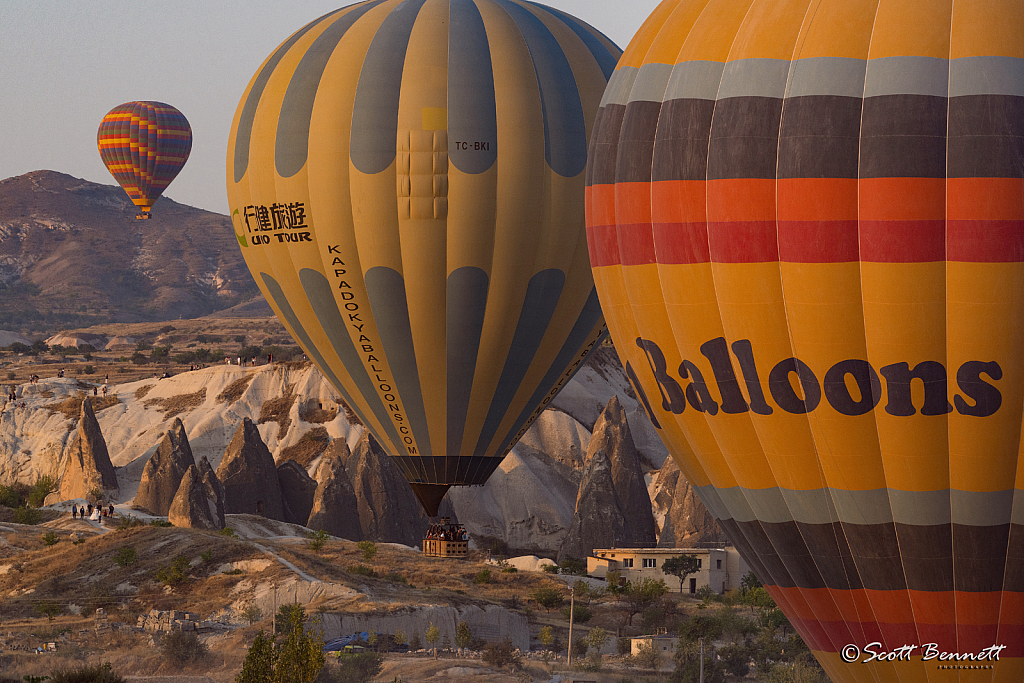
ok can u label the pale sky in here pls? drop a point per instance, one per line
(65, 63)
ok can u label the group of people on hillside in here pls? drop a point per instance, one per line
(95, 514)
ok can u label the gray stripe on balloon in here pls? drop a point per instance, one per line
(565, 128)
(245, 120)
(619, 86)
(542, 296)
(375, 110)
(472, 112)
(757, 77)
(465, 307)
(588, 319)
(907, 75)
(385, 289)
(606, 61)
(837, 76)
(325, 306)
(292, 145)
(277, 294)
(986, 76)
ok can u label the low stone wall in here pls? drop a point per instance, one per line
(490, 623)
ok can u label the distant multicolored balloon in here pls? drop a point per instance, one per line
(144, 145)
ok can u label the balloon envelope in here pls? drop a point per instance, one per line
(806, 221)
(406, 184)
(144, 145)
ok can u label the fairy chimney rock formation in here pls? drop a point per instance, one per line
(249, 475)
(191, 507)
(685, 521)
(335, 508)
(613, 508)
(388, 509)
(213, 489)
(163, 472)
(297, 491)
(88, 467)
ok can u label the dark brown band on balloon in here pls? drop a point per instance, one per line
(986, 137)
(636, 148)
(903, 136)
(684, 130)
(841, 556)
(820, 137)
(744, 138)
(605, 145)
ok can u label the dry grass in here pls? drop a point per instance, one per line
(234, 391)
(71, 407)
(175, 405)
(141, 392)
(277, 409)
(350, 414)
(308, 448)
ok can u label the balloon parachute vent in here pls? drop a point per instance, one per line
(445, 539)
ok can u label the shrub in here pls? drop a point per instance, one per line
(548, 598)
(174, 573)
(258, 666)
(51, 538)
(206, 555)
(482, 576)
(183, 647)
(27, 516)
(125, 556)
(229, 532)
(551, 568)
(579, 648)
(48, 609)
(573, 565)
(128, 522)
(44, 486)
(317, 540)
(509, 570)
(160, 523)
(503, 653)
(88, 369)
(463, 635)
(9, 496)
(581, 614)
(100, 673)
(361, 570)
(369, 549)
(357, 668)
(415, 643)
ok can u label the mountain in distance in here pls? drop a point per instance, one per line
(73, 254)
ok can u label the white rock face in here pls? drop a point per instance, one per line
(8, 338)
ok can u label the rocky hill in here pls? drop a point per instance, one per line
(539, 493)
(72, 254)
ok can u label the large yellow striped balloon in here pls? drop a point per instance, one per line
(406, 181)
(807, 232)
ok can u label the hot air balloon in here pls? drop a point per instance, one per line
(144, 145)
(806, 221)
(406, 184)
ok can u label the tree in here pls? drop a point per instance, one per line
(680, 567)
(596, 639)
(433, 634)
(372, 640)
(415, 644)
(399, 637)
(317, 540)
(48, 609)
(287, 615)
(548, 598)
(547, 639)
(44, 486)
(258, 666)
(301, 656)
(642, 594)
(252, 613)
(463, 635)
(573, 565)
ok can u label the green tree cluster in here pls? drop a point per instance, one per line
(298, 659)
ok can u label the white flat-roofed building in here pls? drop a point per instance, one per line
(720, 568)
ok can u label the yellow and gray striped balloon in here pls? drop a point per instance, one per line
(405, 179)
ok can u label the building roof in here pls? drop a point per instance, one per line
(657, 551)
